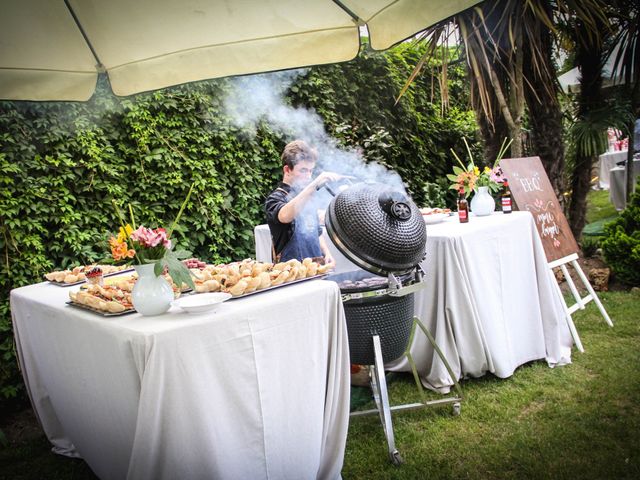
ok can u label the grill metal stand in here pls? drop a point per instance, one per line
(381, 396)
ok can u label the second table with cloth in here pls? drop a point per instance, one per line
(606, 162)
(618, 184)
(490, 301)
(259, 388)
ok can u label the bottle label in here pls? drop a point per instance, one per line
(506, 204)
(462, 214)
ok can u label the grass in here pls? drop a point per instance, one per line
(577, 421)
(600, 211)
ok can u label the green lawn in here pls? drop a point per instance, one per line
(577, 421)
(599, 206)
(600, 211)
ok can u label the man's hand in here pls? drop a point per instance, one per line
(326, 177)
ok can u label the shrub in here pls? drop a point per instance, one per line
(621, 245)
(589, 246)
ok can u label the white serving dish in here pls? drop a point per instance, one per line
(201, 302)
(434, 218)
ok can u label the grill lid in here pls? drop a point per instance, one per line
(377, 228)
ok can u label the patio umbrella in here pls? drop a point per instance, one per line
(55, 49)
(570, 80)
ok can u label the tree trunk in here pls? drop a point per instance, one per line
(590, 100)
(580, 185)
(545, 115)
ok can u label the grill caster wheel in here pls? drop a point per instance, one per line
(456, 409)
(395, 458)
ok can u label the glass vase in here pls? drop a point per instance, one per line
(482, 203)
(151, 295)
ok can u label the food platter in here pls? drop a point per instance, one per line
(80, 282)
(273, 287)
(99, 312)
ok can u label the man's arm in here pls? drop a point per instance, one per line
(291, 210)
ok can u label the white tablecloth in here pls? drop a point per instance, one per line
(490, 302)
(259, 388)
(606, 162)
(618, 184)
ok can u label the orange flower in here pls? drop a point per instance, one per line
(119, 250)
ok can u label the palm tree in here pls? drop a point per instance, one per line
(596, 110)
(508, 45)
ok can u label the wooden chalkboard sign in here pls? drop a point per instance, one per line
(532, 191)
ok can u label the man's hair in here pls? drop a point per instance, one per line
(298, 151)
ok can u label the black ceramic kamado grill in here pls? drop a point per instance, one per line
(382, 231)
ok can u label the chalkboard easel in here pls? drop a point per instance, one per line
(532, 191)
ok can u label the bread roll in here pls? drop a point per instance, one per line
(59, 276)
(252, 284)
(312, 269)
(115, 307)
(239, 288)
(265, 280)
(280, 279)
(212, 285)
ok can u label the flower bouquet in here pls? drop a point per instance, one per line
(467, 179)
(142, 245)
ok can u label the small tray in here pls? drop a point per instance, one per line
(273, 287)
(99, 312)
(79, 282)
(434, 218)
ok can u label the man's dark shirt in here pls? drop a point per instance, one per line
(280, 232)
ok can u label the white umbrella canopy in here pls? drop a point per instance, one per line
(570, 80)
(55, 49)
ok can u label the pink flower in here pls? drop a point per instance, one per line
(496, 175)
(150, 238)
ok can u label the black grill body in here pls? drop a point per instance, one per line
(388, 317)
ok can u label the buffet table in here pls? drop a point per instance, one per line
(606, 162)
(258, 388)
(490, 301)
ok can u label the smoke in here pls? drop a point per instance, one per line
(261, 98)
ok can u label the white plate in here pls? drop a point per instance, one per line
(201, 302)
(434, 218)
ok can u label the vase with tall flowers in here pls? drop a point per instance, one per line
(484, 183)
(151, 251)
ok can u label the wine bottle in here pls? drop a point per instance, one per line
(463, 207)
(506, 197)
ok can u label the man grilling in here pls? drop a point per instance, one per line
(292, 214)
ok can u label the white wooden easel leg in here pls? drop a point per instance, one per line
(567, 315)
(572, 286)
(592, 292)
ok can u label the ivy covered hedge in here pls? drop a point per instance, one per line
(62, 164)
